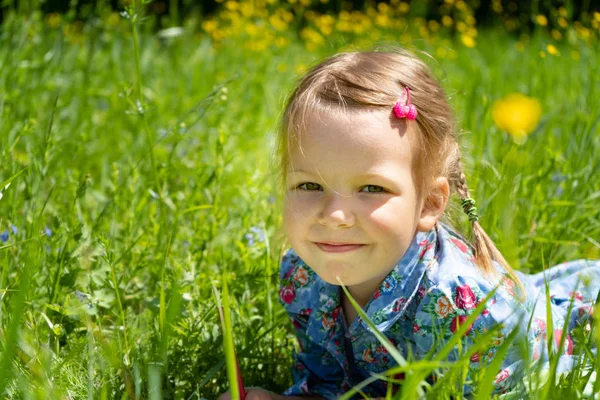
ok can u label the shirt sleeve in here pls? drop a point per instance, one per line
(314, 370)
(447, 305)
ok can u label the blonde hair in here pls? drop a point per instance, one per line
(374, 80)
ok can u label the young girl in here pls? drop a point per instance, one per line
(369, 160)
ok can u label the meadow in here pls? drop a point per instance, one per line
(137, 173)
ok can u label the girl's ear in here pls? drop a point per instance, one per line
(435, 204)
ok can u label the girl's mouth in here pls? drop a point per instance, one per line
(338, 248)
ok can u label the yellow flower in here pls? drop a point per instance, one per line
(575, 55)
(517, 114)
(552, 50)
(556, 34)
(467, 40)
(541, 20)
(562, 22)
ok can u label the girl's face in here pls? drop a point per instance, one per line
(351, 207)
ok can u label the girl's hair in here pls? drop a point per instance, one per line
(374, 80)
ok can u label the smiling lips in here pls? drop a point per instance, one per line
(333, 247)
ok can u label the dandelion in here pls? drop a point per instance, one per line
(552, 50)
(517, 114)
(541, 20)
(4, 236)
(467, 40)
(447, 21)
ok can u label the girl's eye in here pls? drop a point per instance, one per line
(374, 189)
(309, 186)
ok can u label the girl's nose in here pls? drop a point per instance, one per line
(337, 211)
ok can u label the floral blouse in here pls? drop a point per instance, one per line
(429, 293)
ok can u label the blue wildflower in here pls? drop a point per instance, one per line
(14, 229)
(186, 243)
(81, 296)
(271, 199)
(4, 236)
(261, 233)
(47, 231)
(558, 177)
(250, 238)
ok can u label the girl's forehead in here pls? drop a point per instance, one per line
(350, 144)
(363, 134)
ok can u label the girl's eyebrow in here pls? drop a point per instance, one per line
(361, 176)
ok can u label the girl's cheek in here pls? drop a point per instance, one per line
(298, 207)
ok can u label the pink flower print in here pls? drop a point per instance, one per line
(304, 388)
(399, 376)
(398, 303)
(425, 250)
(502, 376)
(459, 245)
(585, 311)
(465, 298)
(576, 295)
(377, 294)
(368, 356)
(327, 322)
(421, 292)
(540, 323)
(457, 321)
(305, 312)
(287, 294)
(288, 274)
(296, 323)
(568, 346)
(380, 350)
(509, 286)
(475, 357)
(416, 328)
(536, 354)
(443, 306)
(301, 276)
(335, 313)
(485, 310)
(384, 360)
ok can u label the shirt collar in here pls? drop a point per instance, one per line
(390, 300)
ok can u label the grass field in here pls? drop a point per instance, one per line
(136, 170)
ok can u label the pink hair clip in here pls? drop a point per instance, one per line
(405, 111)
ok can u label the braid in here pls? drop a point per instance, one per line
(485, 249)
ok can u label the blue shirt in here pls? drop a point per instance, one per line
(418, 307)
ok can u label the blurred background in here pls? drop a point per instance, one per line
(136, 170)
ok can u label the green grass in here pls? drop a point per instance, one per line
(140, 178)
